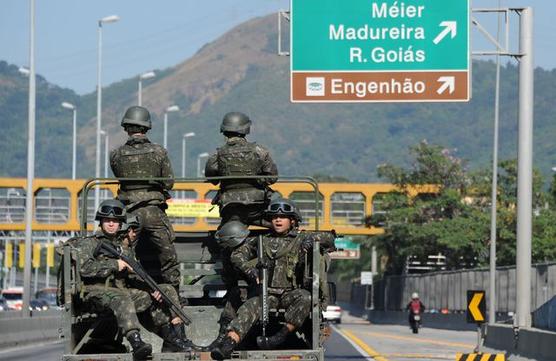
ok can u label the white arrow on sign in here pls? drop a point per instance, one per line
(450, 27)
(448, 82)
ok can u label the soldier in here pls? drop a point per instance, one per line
(139, 158)
(242, 200)
(109, 284)
(284, 246)
(229, 237)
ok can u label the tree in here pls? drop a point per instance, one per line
(444, 222)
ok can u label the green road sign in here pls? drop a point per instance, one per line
(347, 249)
(380, 50)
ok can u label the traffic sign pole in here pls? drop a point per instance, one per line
(525, 171)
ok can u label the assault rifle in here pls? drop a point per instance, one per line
(263, 279)
(107, 249)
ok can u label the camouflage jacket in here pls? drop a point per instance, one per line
(284, 256)
(238, 157)
(139, 158)
(96, 268)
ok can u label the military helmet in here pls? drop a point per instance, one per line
(232, 234)
(111, 208)
(282, 206)
(236, 122)
(137, 115)
(131, 221)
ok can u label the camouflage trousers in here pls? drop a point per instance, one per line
(155, 248)
(127, 302)
(233, 302)
(297, 304)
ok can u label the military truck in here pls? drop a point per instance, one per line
(95, 335)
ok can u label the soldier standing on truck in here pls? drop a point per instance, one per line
(284, 247)
(139, 158)
(245, 199)
(110, 284)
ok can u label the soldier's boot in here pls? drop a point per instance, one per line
(141, 350)
(223, 350)
(174, 339)
(272, 342)
(221, 334)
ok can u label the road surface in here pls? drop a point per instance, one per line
(355, 339)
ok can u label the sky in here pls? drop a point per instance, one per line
(156, 35)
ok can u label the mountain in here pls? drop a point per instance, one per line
(240, 71)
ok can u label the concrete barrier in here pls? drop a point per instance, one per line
(452, 321)
(16, 330)
(530, 343)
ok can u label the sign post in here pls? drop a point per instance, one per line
(380, 50)
(476, 311)
(367, 281)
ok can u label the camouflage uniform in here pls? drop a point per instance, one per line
(106, 288)
(285, 258)
(242, 199)
(139, 158)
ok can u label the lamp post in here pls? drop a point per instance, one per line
(202, 155)
(170, 109)
(105, 20)
(106, 144)
(147, 75)
(186, 135)
(30, 166)
(74, 141)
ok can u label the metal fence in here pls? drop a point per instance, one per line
(448, 289)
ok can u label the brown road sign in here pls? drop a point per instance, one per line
(431, 86)
(476, 306)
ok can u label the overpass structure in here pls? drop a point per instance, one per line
(341, 206)
(57, 204)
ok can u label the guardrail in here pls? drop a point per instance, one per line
(40, 327)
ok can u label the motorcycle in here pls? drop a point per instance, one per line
(415, 320)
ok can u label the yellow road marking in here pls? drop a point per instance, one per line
(420, 340)
(368, 349)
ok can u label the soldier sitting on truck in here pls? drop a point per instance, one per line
(283, 249)
(229, 237)
(110, 284)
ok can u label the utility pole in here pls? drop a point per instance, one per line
(525, 170)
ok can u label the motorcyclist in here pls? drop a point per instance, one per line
(415, 307)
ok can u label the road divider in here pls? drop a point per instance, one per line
(480, 357)
(16, 330)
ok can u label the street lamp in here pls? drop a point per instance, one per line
(105, 20)
(147, 75)
(186, 135)
(23, 70)
(30, 165)
(106, 144)
(202, 155)
(170, 109)
(106, 152)
(74, 142)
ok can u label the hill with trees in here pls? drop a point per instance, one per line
(240, 71)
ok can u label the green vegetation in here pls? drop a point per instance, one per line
(455, 220)
(239, 71)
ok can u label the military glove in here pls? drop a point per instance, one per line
(252, 275)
